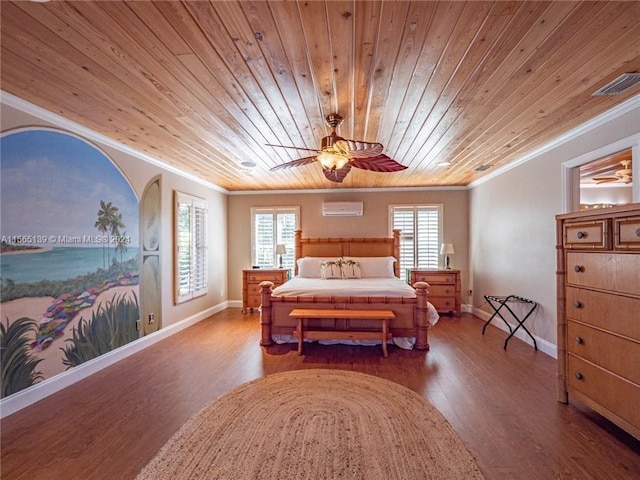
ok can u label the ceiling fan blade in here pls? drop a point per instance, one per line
(295, 148)
(294, 163)
(359, 149)
(605, 179)
(380, 163)
(337, 174)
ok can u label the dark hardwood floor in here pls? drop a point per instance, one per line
(501, 403)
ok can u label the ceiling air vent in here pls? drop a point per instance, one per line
(619, 85)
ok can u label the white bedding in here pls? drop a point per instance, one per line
(356, 287)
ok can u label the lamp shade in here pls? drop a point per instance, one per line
(281, 249)
(447, 249)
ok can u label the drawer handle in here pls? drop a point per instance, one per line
(582, 234)
(577, 304)
(579, 376)
(578, 269)
(638, 233)
(578, 340)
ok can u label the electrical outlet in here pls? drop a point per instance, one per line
(152, 318)
(138, 325)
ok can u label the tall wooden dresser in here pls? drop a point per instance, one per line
(444, 288)
(251, 280)
(598, 258)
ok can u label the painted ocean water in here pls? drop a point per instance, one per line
(59, 263)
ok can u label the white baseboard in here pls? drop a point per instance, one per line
(29, 396)
(543, 345)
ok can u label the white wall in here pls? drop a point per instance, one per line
(512, 223)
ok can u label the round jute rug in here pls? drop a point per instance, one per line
(315, 424)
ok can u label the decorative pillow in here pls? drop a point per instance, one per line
(311, 267)
(331, 269)
(351, 268)
(375, 267)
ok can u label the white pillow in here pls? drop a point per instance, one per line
(375, 267)
(331, 269)
(351, 268)
(311, 267)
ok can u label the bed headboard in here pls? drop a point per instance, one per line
(349, 247)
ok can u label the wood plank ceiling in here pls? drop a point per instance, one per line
(204, 86)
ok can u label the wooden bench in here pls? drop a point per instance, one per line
(384, 316)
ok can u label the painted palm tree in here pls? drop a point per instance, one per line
(114, 229)
(105, 218)
(121, 244)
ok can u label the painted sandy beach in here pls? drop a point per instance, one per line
(34, 307)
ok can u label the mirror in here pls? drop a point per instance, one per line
(607, 181)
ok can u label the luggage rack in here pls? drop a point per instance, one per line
(497, 303)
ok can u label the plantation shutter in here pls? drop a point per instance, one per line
(199, 264)
(272, 226)
(420, 235)
(183, 240)
(191, 247)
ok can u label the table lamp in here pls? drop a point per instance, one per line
(447, 249)
(281, 250)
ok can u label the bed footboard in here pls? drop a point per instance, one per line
(411, 313)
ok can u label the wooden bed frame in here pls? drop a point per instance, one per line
(410, 313)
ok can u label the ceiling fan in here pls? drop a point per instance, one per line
(338, 155)
(623, 175)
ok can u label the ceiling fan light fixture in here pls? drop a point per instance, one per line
(332, 161)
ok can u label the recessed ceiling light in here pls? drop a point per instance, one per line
(443, 164)
(248, 164)
(482, 168)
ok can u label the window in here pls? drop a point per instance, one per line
(272, 226)
(420, 235)
(191, 247)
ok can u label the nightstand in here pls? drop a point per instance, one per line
(444, 289)
(251, 280)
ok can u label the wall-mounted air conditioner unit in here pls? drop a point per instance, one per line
(342, 209)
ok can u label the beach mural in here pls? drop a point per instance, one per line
(69, 270)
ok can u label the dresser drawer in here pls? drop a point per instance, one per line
(616, 395)
(589, 235)
(263, 277)
(253, 301)
(434, 278)
(615, 272)
(254, 289)
(615, 313)
(613, 353)
(443, 304)
(626, 233)
(442, 290)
